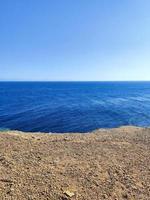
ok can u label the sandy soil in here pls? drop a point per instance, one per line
(109, 164)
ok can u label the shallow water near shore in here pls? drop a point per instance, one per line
(73, 106)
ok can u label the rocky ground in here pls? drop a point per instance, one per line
(111, 164)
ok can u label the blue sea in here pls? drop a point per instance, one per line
(73, 106)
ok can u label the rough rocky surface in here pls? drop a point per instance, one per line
(109, 164)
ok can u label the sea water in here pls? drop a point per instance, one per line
(73, 106)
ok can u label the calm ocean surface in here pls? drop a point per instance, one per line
(73, 106)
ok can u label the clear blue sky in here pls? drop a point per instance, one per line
(75, 40)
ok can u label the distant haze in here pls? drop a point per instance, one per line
(85, 40)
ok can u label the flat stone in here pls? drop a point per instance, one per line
(69, 193)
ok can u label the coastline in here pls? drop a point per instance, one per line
(9, 131)
(104, 164)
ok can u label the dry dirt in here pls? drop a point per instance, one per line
(109, 164)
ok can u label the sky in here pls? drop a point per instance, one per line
(74, 40)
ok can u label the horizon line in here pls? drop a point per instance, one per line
(74, 80)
